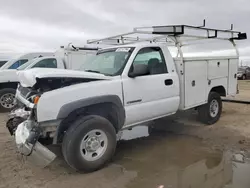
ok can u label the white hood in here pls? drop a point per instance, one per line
(27, 78)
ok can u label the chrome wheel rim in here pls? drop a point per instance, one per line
(94, 145)
(7, 100)
(214, 108)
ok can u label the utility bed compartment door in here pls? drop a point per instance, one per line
(217, 69)
(232, 76)
(195, 83)
(75, 60)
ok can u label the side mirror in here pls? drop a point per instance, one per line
(138, 70)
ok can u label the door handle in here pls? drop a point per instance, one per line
(168, 82)
(193, 83)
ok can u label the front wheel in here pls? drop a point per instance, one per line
(7, 99)
(89, 143)
(210, 113)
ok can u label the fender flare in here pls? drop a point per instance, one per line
(66, 109)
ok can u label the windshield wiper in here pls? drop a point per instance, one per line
(98, 72)
(92, 71)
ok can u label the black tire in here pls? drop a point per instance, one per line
(75, 134)
(243, 77)
(204, 110)
(4, 92)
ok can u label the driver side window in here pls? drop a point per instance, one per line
(152, 59)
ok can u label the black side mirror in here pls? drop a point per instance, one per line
(138, 70)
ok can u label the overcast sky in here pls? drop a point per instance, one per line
(33, 25)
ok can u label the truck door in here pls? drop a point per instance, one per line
(153, 95)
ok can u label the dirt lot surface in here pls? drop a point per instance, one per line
(179, 152)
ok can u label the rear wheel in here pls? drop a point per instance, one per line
(89, 143)
(210, 113)
(7, 99)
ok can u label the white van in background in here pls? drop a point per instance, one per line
(65, 58)
(17, 62)
(69, 57)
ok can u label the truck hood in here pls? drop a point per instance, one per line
(28, 78)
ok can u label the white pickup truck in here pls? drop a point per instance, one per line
(8, 78)
(69, 57)
(122, 86)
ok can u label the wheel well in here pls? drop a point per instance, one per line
(107, 110)
(8, 85)
(219, 89)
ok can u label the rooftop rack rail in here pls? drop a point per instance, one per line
(70, 46)
(171, 34)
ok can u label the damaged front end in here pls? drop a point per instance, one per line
(31, 136)
(23, 126)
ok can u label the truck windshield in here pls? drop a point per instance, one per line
(109, 62)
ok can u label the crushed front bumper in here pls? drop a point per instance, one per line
(26, 137)
(27, 132)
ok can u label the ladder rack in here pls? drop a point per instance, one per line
(70, 46)
(171, 35)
